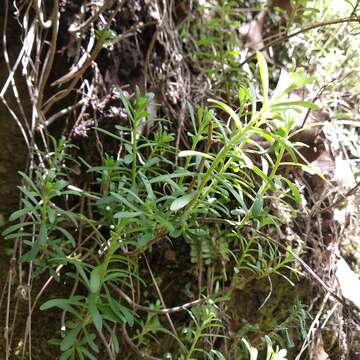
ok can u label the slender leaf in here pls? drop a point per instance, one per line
(182, 201)
(95, 279)
(70, 338)
(229, 111)
(186, 153)
(264, 75)
(94, 313)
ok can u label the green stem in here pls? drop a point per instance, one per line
(193, 345)
(221, 157)
(267, 184)
(134, 151)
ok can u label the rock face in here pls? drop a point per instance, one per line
(12, 159)
(12, 146)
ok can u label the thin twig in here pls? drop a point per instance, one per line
(135, 348)
(49, 280)
(40, 15)
(11, 71)
(342, 198)
(316, 277)
(83, 63)
(167, 315)
(147, 58)
(153, 241)
(15, 312)
(152, 310)
(107, 347)
(268, 295)
(49, 60)
(11, 81)
(79, 73)
(313, 327)
(301, 31)
(91, 20)
(6, 329)
(64, 112)
(63, 314)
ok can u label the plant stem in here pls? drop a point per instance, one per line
(134, 151)
(221, 157)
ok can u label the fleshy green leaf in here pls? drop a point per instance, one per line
(194, 153)
(66, 354)
(127, 315)
(62, 303)
(127, 214)
(70, 338)
(29, 181)
(287, 104)
(253, 352)
(19, 213)
(95, 279)
(43, 234)
(94, 312)
(294, 190)
(229, 111)
(42, 238)
(30, 255)
(257, 205)
(181, 202)
(15, 227)
(264, 75)
(149, 190)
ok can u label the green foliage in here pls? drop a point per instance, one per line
(271, 354)
(212, 204)
(43, 226)
(291, 328)
(205, 324)
(215, 44)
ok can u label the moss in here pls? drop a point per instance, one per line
(252, 320)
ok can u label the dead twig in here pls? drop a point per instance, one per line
(110, 353)
(167, 315)
(152, 242)
(40, 15)
(343, 198)
(153, 310)
(49, 60)
(312, 273)
(284, 37)
(79, 72)
(86, 25)
(135, 348)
